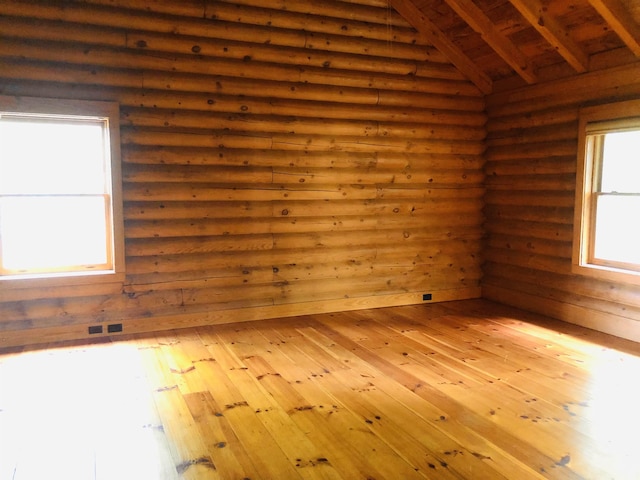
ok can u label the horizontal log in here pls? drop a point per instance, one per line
(372, 3)
(524, 136)
(38, 29)
(177, 155)
(456, 262)
(144, 117)
(13, 69)
(247, 123)
(251, 226)
(116, 77)
(537, 166)
(452, 246)
(366, 46)
(468, 103)
(193, 245)
(549, 231)
(528, 260)
(506, 213)
(220, 139)
(552, 116)
(195, 174)
(418, 273)
(298, 291)
(302, 296)
(171, 210)
(222, 298)
(265, 192)
(178, 263)
(378, 237)
(532, 151)
(332, 8)
(398, 192)
(559, 182)
(188, 139)
(196, 228)
(414, 208)
(313, 176)
(209, 102)
(379, 144)
(411, 83)
(518, 197)
(468, 219)
(530, 245)
(388, 161)
(284, 224)
(225, 276)
(307, 22)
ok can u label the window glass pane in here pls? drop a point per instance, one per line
(617, 229)
(45, 233)
(621, 162)
(48, 156)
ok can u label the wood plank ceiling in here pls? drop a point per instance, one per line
(502, 44)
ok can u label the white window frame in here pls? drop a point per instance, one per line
(109, 112)
(593, 121)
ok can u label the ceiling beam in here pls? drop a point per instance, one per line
(620, 20)
(509, 52)
(430, 33)
(535, 13)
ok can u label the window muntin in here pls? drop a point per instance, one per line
(607, 231)
(60, 205)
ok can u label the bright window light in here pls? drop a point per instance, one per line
(62, 233)
(617, 200)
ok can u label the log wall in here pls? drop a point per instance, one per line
(279, 158)
(531, 174)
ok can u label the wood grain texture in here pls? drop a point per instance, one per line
(272, 155)
(458, 390)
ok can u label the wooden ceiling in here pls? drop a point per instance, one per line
(501, 44)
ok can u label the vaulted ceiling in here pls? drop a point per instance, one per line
(501, 44)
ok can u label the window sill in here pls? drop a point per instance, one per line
(607, 274)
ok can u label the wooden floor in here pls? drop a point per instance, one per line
(460, 390)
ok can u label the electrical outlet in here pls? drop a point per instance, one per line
(426, 296)
(114, 328)
(93, 329)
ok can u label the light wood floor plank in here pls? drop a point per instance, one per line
(459, 390)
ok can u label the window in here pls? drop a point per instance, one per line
(60, 205)
(607, 228)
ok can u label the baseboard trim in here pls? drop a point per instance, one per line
(35, 336)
